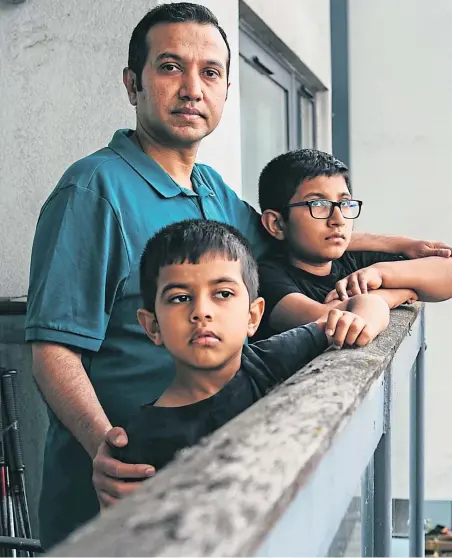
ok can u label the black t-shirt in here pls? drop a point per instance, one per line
(278, 278)
(157, 433)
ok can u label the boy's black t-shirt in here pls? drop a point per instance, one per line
(157, 433)
(279, 278)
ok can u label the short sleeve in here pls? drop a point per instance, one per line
(79, 265)
(274, 283)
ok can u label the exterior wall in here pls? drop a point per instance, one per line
(400, 151)
(62, 98)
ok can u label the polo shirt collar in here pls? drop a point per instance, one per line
(151, 171)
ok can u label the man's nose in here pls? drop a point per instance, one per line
(202, 310)
(191, 87)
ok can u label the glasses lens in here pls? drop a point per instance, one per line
(320, 209)
(350, 209)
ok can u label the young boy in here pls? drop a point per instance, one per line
(307, 205)
(199, 283)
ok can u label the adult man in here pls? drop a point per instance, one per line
(91, 361)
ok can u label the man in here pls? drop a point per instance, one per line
(91, 361)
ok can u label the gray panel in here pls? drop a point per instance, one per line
(339, 78)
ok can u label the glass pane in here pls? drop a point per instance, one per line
(347, 541)
(263, 109)
(307, 131)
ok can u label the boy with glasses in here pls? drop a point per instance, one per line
(307, 205)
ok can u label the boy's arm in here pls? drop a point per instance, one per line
(297, 309)
(409, 247)
(393, 297)
(288, 352)
(431, 278)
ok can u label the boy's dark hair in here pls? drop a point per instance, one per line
(282, 176)
(180, 12)
(188, 241)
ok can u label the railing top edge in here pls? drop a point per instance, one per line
(220, 498)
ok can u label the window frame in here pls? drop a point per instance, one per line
(254, 51)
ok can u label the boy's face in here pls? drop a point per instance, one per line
(318, 240)
(202, 313)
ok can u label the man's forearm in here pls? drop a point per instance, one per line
(368, 242)
(63, 381)
(431, 278)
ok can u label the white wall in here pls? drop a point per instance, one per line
(401, 122)
(61, 98)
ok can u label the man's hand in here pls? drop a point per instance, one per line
(345, 327)
(358, 282)
(109, 474)
(423, 249)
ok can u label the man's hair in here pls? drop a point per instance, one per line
(180, 12)
(188, 241)
(280, 179)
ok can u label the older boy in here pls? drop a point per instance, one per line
(307, 205)
(199, 283)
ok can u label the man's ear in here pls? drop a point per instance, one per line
(273, 223)
(148, 321)
(129, 79)
(255, 315)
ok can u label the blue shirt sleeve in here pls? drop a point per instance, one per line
(79, 265)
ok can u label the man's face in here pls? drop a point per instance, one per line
(203, 313)
(318, 240)
(184, 83)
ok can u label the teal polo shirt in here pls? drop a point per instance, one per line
(84, 293)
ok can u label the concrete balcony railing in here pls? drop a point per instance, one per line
(278, 479)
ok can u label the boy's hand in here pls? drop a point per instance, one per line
(345, 327)
(359, 282)
(109, 474)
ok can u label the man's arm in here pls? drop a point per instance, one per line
(65, 386)
(409, 247)
(430, 278)
(63, 382)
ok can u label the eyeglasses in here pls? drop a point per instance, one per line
(323, 209)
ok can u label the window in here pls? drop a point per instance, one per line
(277, 111)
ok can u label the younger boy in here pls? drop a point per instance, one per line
(307, 205)
(199, 284)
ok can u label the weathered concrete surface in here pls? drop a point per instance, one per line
(220, 498)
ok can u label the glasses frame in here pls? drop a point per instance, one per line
(333, 205)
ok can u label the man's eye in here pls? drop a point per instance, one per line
(169, 68)
(212, 73)
(223, 294)
(347, 203)
(179, 299)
